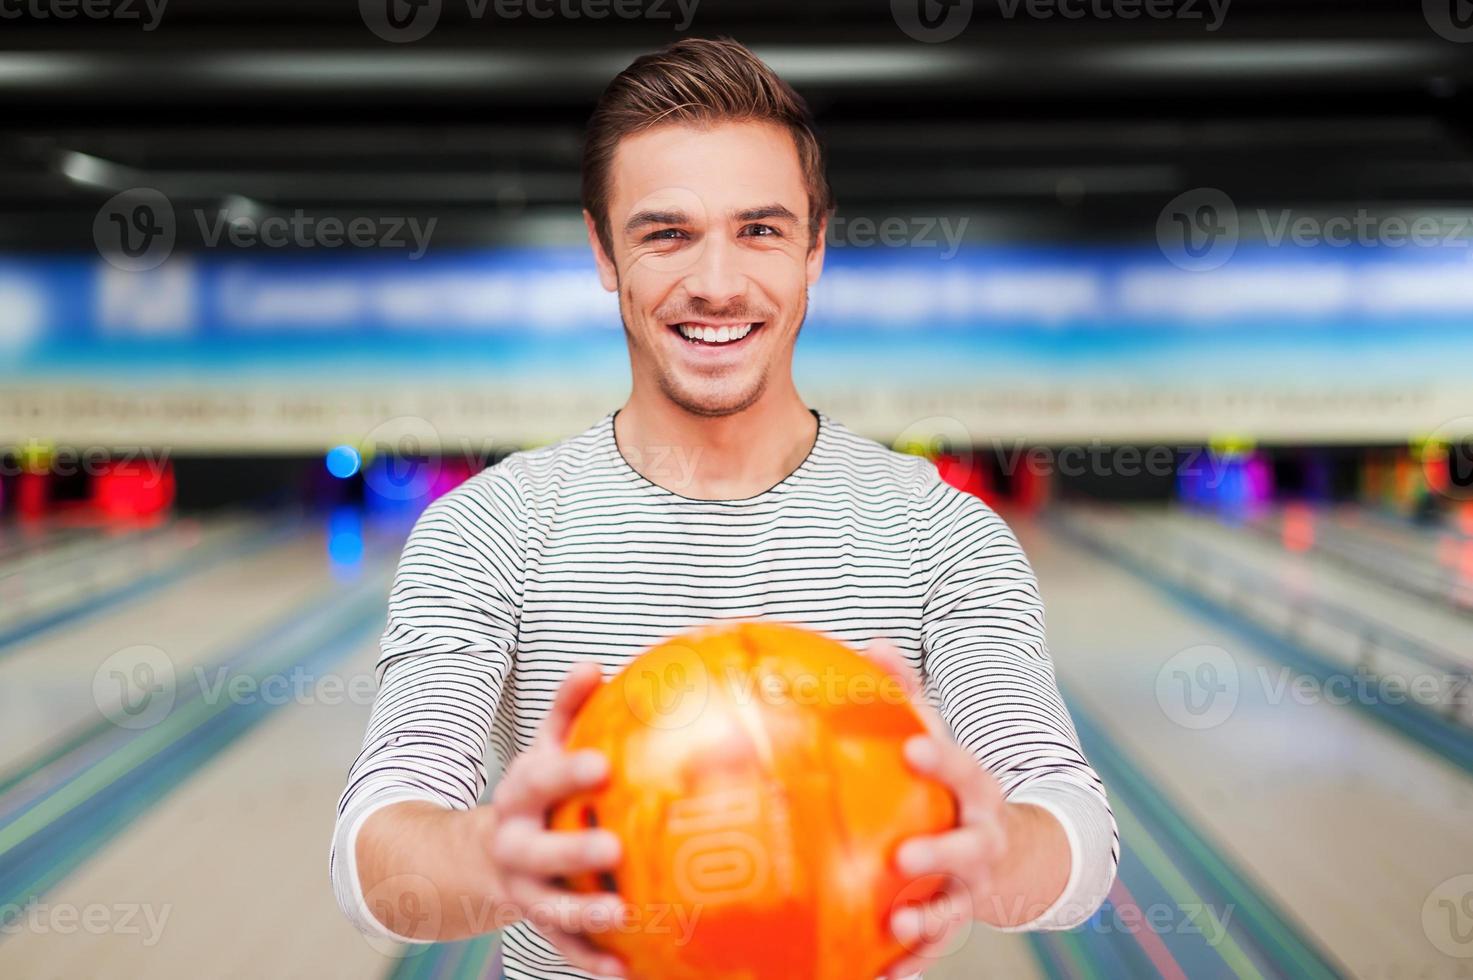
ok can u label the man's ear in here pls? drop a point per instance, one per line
(814, 262)
(608, 275)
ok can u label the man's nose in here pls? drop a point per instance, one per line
(717, 276)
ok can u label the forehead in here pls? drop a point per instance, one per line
(728, 165)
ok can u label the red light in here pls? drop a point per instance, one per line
(132, 490)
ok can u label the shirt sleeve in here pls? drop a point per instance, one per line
(987, 666)
(445, 654)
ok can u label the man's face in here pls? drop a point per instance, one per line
(711, 260)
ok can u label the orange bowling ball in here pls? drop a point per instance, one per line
(758, 787)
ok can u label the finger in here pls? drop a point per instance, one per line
(542, 777)
(578, 684)
(523, 847)
(888, 658)
(565, 919)
(976, 790)
(550, 907)
(957, 852)
(928, 930)
(584, 955)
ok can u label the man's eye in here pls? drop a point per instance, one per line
(760, 231)
(665, 235)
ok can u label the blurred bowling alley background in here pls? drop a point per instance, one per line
(1183, 288)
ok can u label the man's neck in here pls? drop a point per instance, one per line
(728, 457)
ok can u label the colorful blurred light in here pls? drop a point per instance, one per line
(343, 462)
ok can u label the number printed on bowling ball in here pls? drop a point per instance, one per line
(768, 824)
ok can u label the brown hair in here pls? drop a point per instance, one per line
(697, 81)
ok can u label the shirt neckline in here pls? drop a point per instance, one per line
(611, 444)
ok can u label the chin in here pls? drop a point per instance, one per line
(712, 404)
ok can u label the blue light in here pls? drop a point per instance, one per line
(343, 461)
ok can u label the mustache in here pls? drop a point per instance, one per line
(739, 313)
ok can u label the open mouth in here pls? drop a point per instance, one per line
(715, 334)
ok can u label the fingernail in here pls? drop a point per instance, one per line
(590, 765)
(906, 924)
(602, 847)
(916, 857)
(921, 752)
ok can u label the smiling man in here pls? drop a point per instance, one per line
(713, 492)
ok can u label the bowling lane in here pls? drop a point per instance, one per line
(41, 588)
(1339, 613)
(47, 683)
(1434, 562)
(139, 827)
(227, 875)
(1438, 626)
(1344, 825)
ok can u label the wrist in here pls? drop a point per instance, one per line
(1034, 868)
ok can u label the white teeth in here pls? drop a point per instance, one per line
(715, 335)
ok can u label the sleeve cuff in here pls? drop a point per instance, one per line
(1089, 828)
(343, 862)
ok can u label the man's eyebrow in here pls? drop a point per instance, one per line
(766, 212)
(640, 219)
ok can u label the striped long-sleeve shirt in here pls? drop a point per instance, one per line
(566, 553)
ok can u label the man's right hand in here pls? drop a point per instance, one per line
(527, 856)
(430, 873)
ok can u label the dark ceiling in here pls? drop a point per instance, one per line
(1048, 128)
